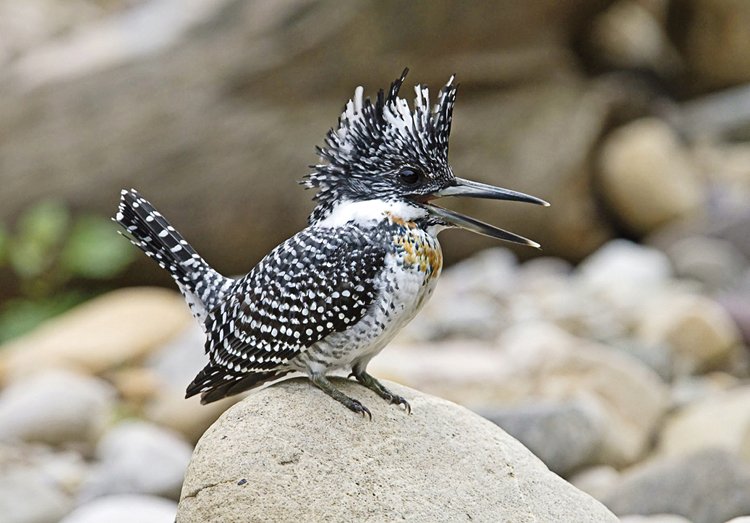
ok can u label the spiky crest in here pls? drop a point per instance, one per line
(375, 140)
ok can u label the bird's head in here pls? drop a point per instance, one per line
(385, 150)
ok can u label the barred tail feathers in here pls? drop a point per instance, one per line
(148, 230)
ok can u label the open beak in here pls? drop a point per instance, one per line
(481, 190)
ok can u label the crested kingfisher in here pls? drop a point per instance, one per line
(334, 294)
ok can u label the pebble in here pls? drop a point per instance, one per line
(136, 457)
(699, 332)
(538, 362)
(28, 496)
(737, 304)
(714, 262)
(465, 303)
(565, 435)
(596, 480)
(64, 470)
(647, 176)
(631, 36)
(490, 272)
(124, 508)
(118, 328)
(721, 420)
(56, 407)
(554, 365)
(708, 486)
(169, 409)
(172, 367)
(623, 269)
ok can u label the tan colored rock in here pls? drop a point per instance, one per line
(535, 362)
(720, 421)
(700, 333)
(115, 329)
(647, 177)
(595, 481)
(136, 385)
(630, 35)
(290, 453)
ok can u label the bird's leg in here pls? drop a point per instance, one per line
(374, 385)
(320, 381)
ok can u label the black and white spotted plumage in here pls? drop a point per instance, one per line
(318, 282)
(145, 227)
(333, 295)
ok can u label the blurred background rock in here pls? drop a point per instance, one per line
(619, 357)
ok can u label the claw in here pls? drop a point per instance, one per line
(357, 407)
(398, 400)
(375, 386)
(323, 384)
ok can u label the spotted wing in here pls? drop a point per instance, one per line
(320, 281)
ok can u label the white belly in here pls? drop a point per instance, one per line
(404, 288)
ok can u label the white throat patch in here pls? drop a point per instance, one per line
(371, 210)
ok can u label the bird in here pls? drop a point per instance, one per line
(332, 296)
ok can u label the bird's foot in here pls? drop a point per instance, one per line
(356, 406)
(323, 384)
(378, 388)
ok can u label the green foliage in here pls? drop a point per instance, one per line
(41, 230)
(21, 315)
(3, 245)
(49, 250)
(94, 250)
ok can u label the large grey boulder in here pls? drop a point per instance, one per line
(289, 453)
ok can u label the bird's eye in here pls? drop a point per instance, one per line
(409, 175)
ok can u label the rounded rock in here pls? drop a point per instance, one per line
(538, 361)
(104, 333)
(56, 407)
(716, 263)
(27, 496)
(699, 331)
(647, 177)
(655, 518)
(137, 457)
(124, 509)
(290, 453)
(565, 435)
(708, 486)
(720, 421)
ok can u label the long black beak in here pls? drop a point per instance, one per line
(481, 190)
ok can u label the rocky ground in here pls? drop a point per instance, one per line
(626, 380)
